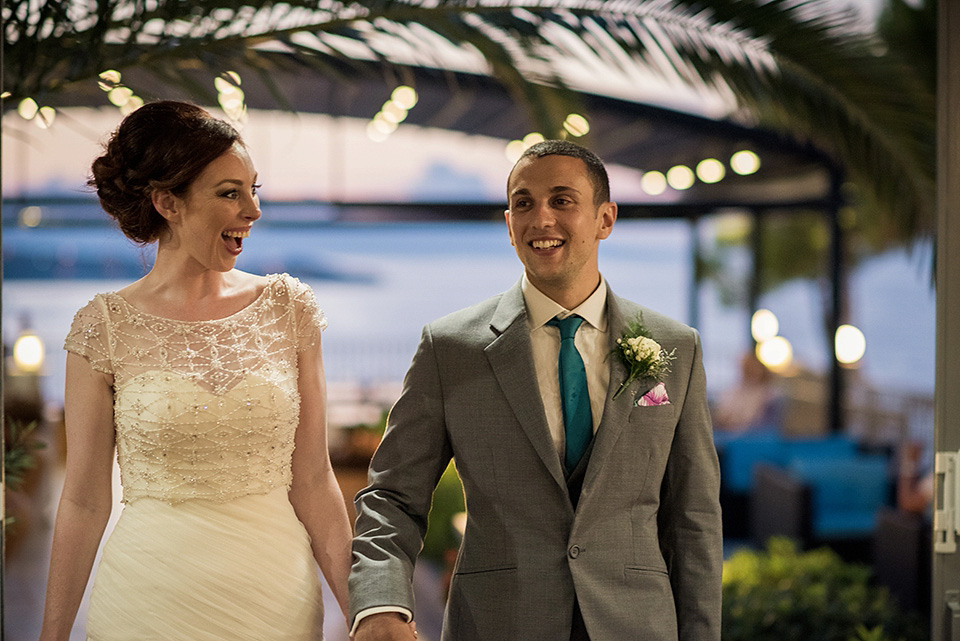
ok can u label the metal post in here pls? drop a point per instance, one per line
(756, 277)
(945, 601)
(835, 420)
(696, 259)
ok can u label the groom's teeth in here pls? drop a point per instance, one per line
(546, 244)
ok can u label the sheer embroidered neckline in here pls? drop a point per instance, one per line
(203, 409)
(256, 302)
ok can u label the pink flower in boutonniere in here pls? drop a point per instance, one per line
(643, 357)
(656, 396)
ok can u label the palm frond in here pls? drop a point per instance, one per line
(800, 67)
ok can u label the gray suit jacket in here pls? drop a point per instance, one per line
(642, 551)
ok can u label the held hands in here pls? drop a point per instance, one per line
(386, 626)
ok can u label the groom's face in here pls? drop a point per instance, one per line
(555, 225)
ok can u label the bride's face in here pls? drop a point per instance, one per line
(217, 212)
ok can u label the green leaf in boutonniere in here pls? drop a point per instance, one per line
(643, 357)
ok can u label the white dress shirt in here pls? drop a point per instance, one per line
(592, 341)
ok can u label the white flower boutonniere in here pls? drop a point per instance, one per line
(643, 357)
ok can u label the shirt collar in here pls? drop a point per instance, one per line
(541, 308)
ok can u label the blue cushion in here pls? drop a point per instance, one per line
(742, 454)
(821, 448)
(847, 492)
(844, 525)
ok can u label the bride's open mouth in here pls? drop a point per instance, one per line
(234, 239)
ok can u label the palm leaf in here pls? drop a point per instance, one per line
(795, 66)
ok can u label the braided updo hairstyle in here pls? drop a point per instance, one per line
(161, 146)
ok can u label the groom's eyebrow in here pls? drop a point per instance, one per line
(523, 191)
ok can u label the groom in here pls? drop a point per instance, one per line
(589, 516)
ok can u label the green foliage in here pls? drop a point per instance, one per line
(781, 594)
(18, 452)
(910, 30)
(793, 246)
(447, 501)
(377, 428)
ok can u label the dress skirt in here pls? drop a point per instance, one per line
(201, 570)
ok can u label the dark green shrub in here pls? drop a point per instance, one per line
(447, 501)
(781, 594)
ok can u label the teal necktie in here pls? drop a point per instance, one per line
(577, 418)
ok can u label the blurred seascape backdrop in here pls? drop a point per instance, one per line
(379, 283)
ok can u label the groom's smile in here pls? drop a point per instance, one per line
(545, 244)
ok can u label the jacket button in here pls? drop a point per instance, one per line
(574, 551)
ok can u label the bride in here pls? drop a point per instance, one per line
(209, 384)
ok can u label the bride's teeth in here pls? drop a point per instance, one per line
(237, 234)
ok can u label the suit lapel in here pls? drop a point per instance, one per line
(615, 412)
(511, 358)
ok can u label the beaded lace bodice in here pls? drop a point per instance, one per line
(203, 409)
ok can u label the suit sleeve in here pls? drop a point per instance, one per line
(691, 536)
(392, 511)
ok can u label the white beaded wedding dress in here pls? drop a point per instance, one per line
(207, 545)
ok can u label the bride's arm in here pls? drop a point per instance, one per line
(87, 493)
(315, 494)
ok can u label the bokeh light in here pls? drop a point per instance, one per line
(850, 344)
(711, 170)
(576, 125)
(764, 325)
(776, 353)
(745, 162)
(680, 177)
(28, 353)
(653, 183)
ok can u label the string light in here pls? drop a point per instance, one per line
(850, 344)
(680, 177)
(745, 162)
(28, 353)
(764, 325)
(576, 125)
(711, 170)
(653, 182)
(393, 112)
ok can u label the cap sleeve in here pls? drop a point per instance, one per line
(310, 318)
(88, 336)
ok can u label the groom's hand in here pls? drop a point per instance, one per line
(385, 626)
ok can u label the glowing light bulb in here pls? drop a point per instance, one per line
(532, 138)
(745, 162)
(680, 177)
(405, 97)
(576, 125)
(850, 344)
(776, 353)
(28, 353)
(28, 108)
(653, 183)
(764, 325)
(711, 170)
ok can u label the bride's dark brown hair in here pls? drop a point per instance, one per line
(161, 146)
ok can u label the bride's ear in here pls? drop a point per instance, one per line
(166, 204)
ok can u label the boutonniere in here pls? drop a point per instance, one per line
(643, 357)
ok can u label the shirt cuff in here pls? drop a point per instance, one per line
(407, 614)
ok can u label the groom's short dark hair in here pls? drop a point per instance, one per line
(595, 169)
